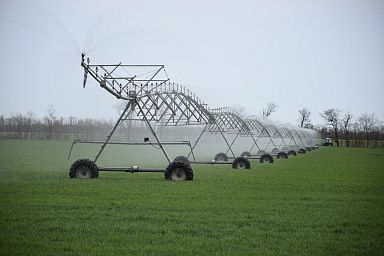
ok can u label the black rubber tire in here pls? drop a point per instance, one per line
(221, 157)
(261, 152)
(178, 171)
(282, 155)
(266, 158)
(83, 169)
(241, 163)
(183, 159)
(292, 153)
(275, 150)
(301, 151)
(245, 154)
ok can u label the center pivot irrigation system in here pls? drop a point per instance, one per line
(150, 98)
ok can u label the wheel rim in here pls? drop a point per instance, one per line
(266, 160)
(178, 174)
(241, 165)
(83, 172)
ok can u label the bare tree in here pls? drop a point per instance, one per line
(304, 115)
(356, 129)
(29, 120)
(332, 118)
(269, 109)
(49, 120)
(346, 124)
(367, 122)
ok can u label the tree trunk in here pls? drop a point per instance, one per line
(347, 138)
(337, 137)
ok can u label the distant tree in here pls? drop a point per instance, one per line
(16, 122)
(2, 123)
(269, 109)
(49, 120)
(356, 130)
(332, 118)
(346, 124)
(367, 123)
(304, 120)
(28, 123)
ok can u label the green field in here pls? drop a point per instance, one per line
(326, 202)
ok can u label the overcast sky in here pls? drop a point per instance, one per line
(314, 54)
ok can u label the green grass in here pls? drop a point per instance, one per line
(326, 202)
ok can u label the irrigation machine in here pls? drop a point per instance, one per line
(150, 98)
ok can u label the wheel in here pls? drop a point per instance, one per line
(261, 152)
(275, 150)
(241, 163)
(245, 154)
(266, 158)
(292, 153)
(301, 151)
(178, 171)
(183, 159)
(282, 155)
(83, 169)
(221, 157)
(308, 149)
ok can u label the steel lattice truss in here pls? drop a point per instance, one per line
(288, 137)
(172, 108)
(150, 94)
(229, 122)
(257, 127)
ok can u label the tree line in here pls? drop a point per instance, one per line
(29, 126)
(345, 129)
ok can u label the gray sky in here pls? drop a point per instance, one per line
(314, 54)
